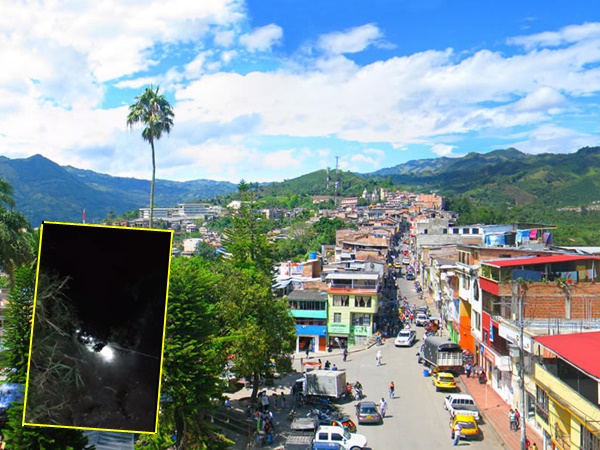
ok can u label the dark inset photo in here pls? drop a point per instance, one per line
(98, 330)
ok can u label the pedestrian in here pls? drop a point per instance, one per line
(392, 390)
(307, 350)
(382, 407)
(275, 399)
(468, 369)
(511, 419)
(282, 400)
(517, 419)
(334, 367)
(269, 433)
(265, 401)
(378, 357)
(534, 446)
(227, 403)
(345, 353)
(457, 432)
(327, 365)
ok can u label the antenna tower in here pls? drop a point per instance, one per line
(337, 180)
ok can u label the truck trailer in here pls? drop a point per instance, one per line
(441, 354)
(327, 383)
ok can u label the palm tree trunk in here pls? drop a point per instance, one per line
(152, 184)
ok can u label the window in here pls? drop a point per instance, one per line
(588, 441)
(477, 320)
(455, 231)
(361, 320)
(336, 437)
(337, 317)
(341, 300)
(445, 231)
(541, 404)
(362, 301)
(466, 230)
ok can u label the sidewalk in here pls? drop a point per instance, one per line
(494, 411)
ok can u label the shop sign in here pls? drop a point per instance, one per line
(342, 328)
(512, 336)
(360, 330)
(488, 354)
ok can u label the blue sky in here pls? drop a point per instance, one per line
(267, 90)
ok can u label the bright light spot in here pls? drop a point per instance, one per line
(107, 353)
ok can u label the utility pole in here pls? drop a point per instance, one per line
(337, 181)
(522, 369)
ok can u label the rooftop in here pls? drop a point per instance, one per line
(577, 349)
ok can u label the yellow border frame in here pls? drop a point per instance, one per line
(23, 423)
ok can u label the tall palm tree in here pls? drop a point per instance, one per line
(154, 112)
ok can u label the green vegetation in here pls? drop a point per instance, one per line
(154, 112)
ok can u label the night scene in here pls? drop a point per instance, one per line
(98, 331)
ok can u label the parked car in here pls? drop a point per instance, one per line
(337, 435)
(405, 338)
(443, 381)
(366, 412)
(406, 261)
(468, 427)
(461, 404)
(410, 276)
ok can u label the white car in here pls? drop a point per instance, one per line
(338, 435)
(421, 319)
(405, 338)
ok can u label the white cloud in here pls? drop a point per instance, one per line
(263, 38)
(566, 35)
(555, 139)
(225, 38)
(443, 149)
(353, 40)
(543, 98)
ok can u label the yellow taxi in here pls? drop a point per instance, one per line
(443, 381)
(468, 427)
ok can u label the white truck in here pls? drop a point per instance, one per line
(327, 383)
(338, 435)
(462, 404)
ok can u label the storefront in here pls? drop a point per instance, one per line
(499, 371)
(313, 337)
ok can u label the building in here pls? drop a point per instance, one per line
(309, 308)
(353, 301)
(567, 399)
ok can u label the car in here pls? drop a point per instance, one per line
(406, 261)
(468, 427)
(443, 381)
(345, 422)
(337, 435)
(366, 412)
(421, 319)
(405, 338)
(410, 276)
(461, 405)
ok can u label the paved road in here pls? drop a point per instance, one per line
(416, 418)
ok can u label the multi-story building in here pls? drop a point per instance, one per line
(567, 397)
(353, 301)
(556, 294)
(309, 308)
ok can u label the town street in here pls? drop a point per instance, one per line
(415, 418)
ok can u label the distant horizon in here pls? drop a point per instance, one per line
(332, 169)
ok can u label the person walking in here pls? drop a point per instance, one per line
(534, 446)
(282, 400)
(517, 419)
(392, 390)
(468, 369)
(382, 407)
(378, 357)
(345, 353)
(511, 419)
(457, 432)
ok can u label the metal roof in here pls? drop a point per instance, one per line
(307, 294)
(535, 260)
(353, 276)
(577, 348)
(106, 440)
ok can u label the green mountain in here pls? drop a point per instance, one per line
(507, 176)
(43, 190)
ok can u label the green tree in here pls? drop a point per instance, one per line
(16, 339)
(258, 326)
(154, 112)
(195, 360)
(14, 246)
